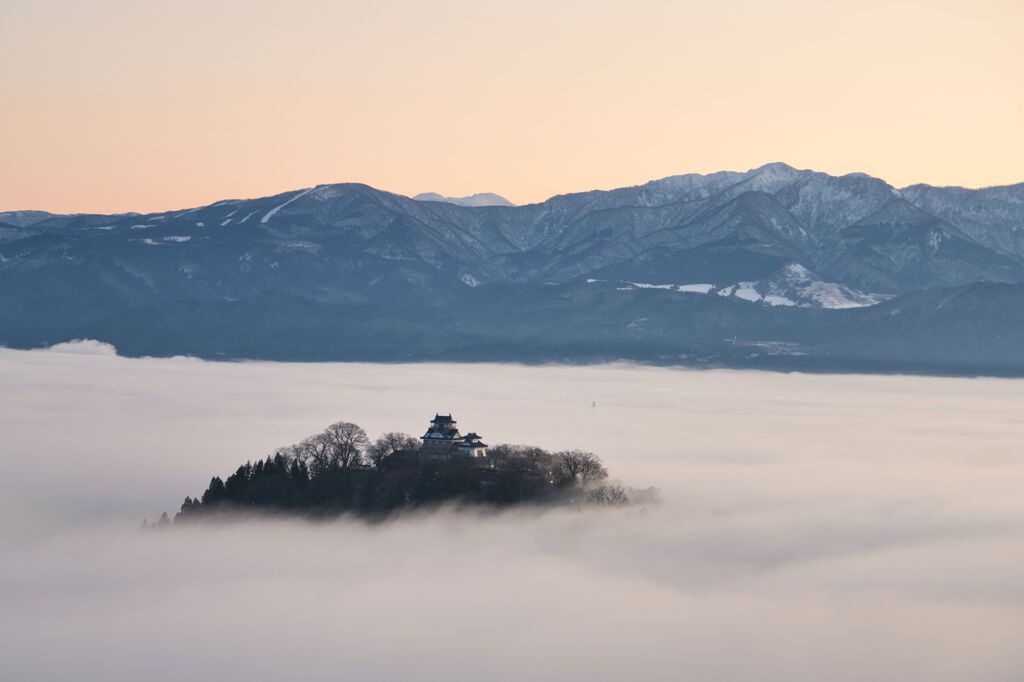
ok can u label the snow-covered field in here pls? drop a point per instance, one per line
(813, 528)
(794, 285)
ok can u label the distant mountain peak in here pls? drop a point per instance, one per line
(24, 218)
(775, 168)
(480, 199)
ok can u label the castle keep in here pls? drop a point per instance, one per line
(443, 438)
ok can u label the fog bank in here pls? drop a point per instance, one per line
(813, 527)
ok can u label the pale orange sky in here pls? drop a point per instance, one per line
(145, 105)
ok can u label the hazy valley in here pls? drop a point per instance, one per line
(827, 527)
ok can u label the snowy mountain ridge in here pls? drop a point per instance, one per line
(479, 199)
(744, 248)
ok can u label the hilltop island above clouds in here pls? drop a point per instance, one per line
(340, 471)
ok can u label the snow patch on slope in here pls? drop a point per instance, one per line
(775, 299)
(272, 212)
(794, 286)
(681, 288)
(826, 294)
(747, 292)
(695, 288)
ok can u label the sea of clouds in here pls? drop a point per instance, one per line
(812, 528)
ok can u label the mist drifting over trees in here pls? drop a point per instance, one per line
(341, 470)
(794, 508)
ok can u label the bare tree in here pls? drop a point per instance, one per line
(608, 495)
(389, 444)
(347, 444)
(520, 455)
(579, 466)
(291, 453)
(315, 453)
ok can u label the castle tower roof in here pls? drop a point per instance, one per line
(443, 429)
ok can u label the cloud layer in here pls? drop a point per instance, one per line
(813, 527)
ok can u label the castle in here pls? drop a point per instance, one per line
(443, 438)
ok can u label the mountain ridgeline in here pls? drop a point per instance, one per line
(775, 267)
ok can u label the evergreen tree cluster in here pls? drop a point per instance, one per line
(341, 471)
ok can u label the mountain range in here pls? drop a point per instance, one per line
(774, 267)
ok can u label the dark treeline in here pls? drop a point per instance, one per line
(341, 471)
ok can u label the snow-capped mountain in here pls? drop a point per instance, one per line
(993, 216)
(774, 238)
(480, 199)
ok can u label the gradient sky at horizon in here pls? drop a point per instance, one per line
(147, 105)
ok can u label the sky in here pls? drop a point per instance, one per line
(840, 528)
(150, 105)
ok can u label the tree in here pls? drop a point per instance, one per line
(215, 492)
(389, 444)
(578, 466)
(323, 474)
(346, 443)
(315, 453)
(290, 452)
(608, 495)
(297, 472)
(236, 487)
